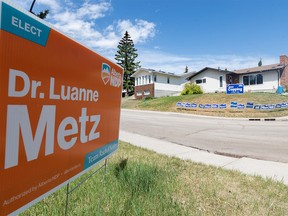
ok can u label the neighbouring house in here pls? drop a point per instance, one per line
(152, 83)
(265, 78)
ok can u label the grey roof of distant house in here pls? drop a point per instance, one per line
(162, 72)
(259, 69)
(264, 68)
(206, 68)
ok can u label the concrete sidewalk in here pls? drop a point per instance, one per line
(267, 169)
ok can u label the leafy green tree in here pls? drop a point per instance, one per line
(126, 57)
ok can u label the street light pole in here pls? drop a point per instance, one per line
(32, 5)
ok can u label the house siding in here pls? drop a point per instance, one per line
(161, 78)
(162, 89)
(159, 87)
(212, 84)
(143, 78)
(270, 82)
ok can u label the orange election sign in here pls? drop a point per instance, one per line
(60, 109)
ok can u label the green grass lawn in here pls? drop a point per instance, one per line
(152, 184)
(168, 104)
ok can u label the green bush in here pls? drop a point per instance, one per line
(191, 88)
(148, 98)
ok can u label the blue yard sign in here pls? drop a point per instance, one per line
(249, 105)
(222, 106)
(235, 89)
(193, 105)
(179, 104)
(264, 107)
(207, 106)
(187, 105)
(240, 106)
(233, 104)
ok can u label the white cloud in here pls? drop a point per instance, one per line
(79, 23)
(140, 31)
(80, 26)
(93, 11)
(78, 20)
(173, 63)
(52, 4)
(22, 4)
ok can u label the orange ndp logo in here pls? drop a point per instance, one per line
(60, 117)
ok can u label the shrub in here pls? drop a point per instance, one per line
(191, 88)
(148, 98)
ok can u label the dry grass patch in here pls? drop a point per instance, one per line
(169, 104)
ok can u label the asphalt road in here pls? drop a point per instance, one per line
(266, 140)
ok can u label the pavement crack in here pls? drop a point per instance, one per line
(199, 131)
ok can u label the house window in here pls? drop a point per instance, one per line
(253, 79)
(139, 93)
(221, 81)
(199, 81)
(146, 92)
(155, 78)
(259, 78)
(149, 78)
(168, 79)
(246, 80)
(136, 81)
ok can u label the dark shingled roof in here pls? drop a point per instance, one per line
(259, 69)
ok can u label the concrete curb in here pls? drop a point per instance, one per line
(266, 169)
(284, 118)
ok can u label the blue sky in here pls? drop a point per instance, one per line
(173, 34)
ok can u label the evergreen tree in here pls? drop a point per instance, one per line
(186, 69)
(43, 14)
(125, 57)
(260, 63)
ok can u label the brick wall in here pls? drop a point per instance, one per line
(142, 89)
(234, 78)
(284, 75)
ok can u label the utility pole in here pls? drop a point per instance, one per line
(32, 5)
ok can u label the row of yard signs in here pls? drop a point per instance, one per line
(233, 105)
